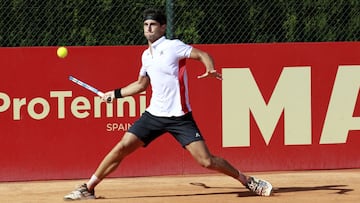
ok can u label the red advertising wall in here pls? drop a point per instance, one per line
(288, 106)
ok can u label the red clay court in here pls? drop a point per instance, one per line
(323, 186)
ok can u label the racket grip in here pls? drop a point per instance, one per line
(101, 94)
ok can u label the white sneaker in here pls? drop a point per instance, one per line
(260, 187)
(80, 193)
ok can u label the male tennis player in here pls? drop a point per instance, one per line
(169, 109)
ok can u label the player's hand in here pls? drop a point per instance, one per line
(108, 96)
(211, 74)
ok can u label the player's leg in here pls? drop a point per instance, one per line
(186, 132)
(140, 134)
(201, 154)
(128, 144)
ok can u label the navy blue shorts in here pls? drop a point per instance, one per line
(183, 128)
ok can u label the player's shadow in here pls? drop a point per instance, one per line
(337, 189)
(241, 192)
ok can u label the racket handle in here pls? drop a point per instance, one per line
(101, 94)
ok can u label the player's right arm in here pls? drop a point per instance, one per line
(133, 88)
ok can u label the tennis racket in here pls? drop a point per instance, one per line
(89, 87)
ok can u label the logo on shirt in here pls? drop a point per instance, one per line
(197, 135)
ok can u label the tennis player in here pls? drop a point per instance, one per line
(169, 110)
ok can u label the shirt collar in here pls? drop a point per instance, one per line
(157, 42)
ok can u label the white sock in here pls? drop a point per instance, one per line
(91, 184)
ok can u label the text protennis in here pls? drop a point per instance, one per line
(62, 102)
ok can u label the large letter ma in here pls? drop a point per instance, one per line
(241, 95)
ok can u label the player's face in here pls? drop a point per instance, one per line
(153, 30)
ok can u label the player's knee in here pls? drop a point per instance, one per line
(120, 151)
(206, 163)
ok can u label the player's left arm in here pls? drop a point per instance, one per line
(208, 62)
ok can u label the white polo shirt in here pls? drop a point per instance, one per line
(168, 77)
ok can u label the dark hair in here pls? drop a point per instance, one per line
(155, 14)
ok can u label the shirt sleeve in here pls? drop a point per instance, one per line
(182, 50)
(143, 71)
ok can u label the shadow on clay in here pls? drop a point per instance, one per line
(242, 192)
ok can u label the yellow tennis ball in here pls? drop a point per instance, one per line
(62, 52)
